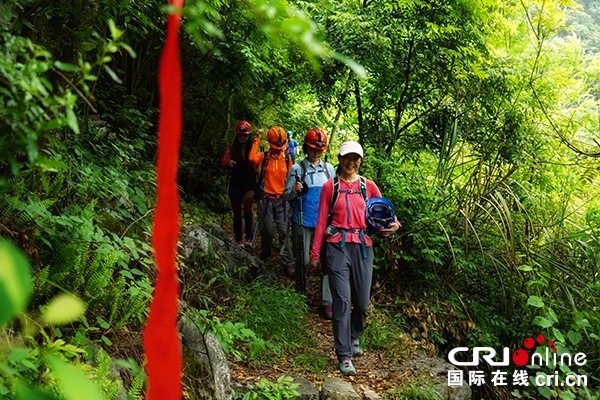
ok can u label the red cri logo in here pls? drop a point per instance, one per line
(521, 357)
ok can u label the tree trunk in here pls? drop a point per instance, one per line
(341, 103)
(361, 129)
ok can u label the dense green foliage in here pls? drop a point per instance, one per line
(479, 120)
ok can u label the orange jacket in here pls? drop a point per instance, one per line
(276, 169)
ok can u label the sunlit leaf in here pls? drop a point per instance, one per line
(112, 74)
(72, 120)
(63, 309)
(543, 322)
(15, 284)
(66, 66)
(535, 301)
(73, 384)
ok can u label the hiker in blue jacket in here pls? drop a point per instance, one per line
(305, 180)
(292, 146)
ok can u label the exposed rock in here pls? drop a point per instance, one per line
(438, 369)
(211, 239)
(239, 388)
(307, 389)
(369, 394)
(115, 373)
(98, 356)
(338, 389)
(205, 364)
(96, 120)
(99, 126)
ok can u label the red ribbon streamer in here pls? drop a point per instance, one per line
(161, 339)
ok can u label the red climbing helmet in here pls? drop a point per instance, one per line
(316, 139)
(243, 128)
(277, 137)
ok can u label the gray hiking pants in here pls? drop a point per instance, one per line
(307, 236)
(345, 264)
(273, 210)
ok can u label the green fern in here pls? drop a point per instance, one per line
(68, 266)
(30, 180)
(99, 273)
(20, 184)
(117, 295)
(135, 307)
(43, 289)
(55, 189)
(105, 381)
(27, 212)
(137, 386)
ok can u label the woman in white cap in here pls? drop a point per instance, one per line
(342, 229)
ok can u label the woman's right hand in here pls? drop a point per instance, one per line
(231, 163)
(315, 267)
(259, 133)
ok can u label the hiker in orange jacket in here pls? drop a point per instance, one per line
(274, 166)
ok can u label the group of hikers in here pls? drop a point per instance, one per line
(327, 208)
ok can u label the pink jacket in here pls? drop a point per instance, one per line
(355, 204)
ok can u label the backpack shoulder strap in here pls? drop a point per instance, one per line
(303, 166)
(363, 187)
(336, 192)
(324, 165)
(263, 166)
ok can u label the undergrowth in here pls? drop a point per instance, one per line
(256, 322)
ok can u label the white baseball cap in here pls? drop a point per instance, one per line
(351, 147)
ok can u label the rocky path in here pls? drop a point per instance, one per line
(411, 368)
(319, 363)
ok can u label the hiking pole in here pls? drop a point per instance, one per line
(226, 191)
(256, 201)
(254, 235)
(301, 270)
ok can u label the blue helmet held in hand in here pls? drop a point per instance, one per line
(380, 213)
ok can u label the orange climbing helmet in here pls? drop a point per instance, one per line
(243, 128)
(277, 137)
(316, 139)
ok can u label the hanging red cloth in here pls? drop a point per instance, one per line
(161, 339)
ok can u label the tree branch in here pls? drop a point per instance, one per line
(558, 131)
(75, 88)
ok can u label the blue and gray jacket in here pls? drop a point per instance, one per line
(315, 177)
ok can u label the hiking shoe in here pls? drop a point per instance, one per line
(327, 312)
(356, 349)
(347, 368)
(241, 243)
(248, 244)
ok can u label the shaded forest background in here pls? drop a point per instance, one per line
(480, 122)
